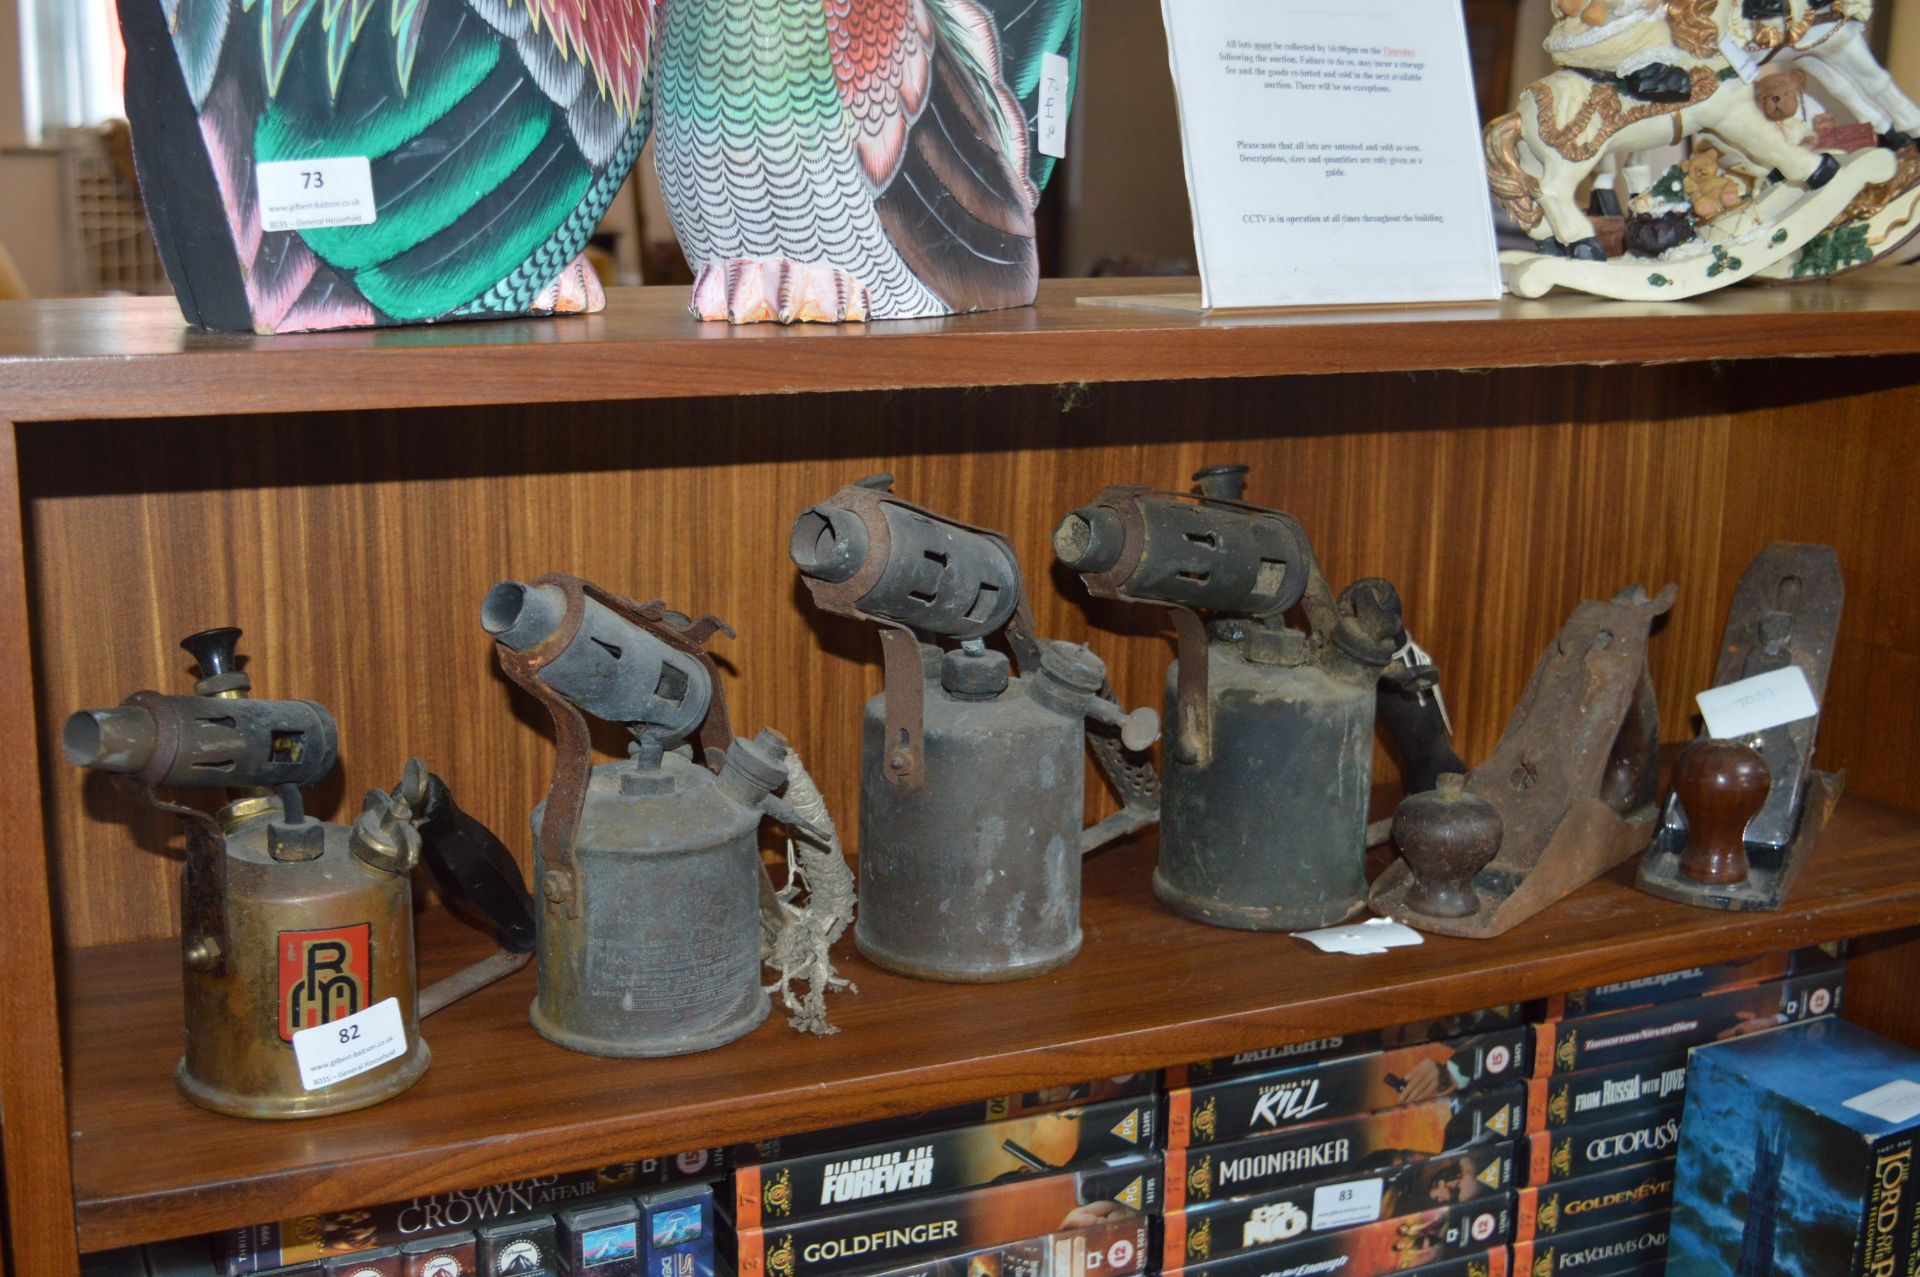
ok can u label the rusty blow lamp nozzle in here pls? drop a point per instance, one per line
(937, 577)
(610, 667)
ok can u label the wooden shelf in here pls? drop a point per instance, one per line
(1148, 990)
(69, 360)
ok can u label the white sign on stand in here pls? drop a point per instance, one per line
(1333, 152)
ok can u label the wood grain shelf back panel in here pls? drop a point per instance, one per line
(354, 550)
(1148, 990)
(121, 358)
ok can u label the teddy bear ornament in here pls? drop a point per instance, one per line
(1683, 145)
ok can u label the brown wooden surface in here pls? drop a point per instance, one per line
(1882, 974)
(1148, 990)
(39, 1214)
(355, 545)
(354, 549)
(135, 359)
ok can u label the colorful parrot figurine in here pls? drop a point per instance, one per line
(858, 159)
(496, 131)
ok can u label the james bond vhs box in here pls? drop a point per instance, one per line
(919, 1228)
(997, 1109)
(1207, 1231)
(1346, 1147)
(1210, 1112)
(1601, 1041)
(920, 1165)
(1693, 982)
(1624, 1248)
(1335, 1046)
(1373, 1250)
(1112, 1247)
(1569, 1098)
(1546, 1210)
(1645, 1135)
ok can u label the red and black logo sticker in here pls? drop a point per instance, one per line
(324, 976)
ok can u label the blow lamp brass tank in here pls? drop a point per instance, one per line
(972, 780)
(288, 922)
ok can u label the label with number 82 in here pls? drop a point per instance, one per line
(340, 1049)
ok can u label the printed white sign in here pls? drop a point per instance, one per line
(1333, 152)
(1897, 1101)
(299, 195)
(1056, 83)
(341, 1049)
(1757, 703)
(1338, 1205)
(1375, 935)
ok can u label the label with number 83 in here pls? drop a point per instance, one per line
(340, 1049)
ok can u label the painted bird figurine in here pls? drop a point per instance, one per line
(496, 133)
(840, 160)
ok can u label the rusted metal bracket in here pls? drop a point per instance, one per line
(905, 672)
(204, 944)
(573, 744)
(1574, 778)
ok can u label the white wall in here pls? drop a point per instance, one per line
(30, 209)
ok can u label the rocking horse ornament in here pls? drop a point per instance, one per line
(1761, 192)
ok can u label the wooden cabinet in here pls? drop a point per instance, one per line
(348, 498)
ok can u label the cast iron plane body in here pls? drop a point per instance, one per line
(1574, 784)
(1785, 612)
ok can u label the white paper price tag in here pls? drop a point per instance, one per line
(1338, 1205)
(1375, 935)
(341, 1049)
(1897, 1101)
(1757, 703)
(1056, 81)
(299, 195)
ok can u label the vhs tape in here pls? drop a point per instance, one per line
(442, 1255)
(309, 1237)
(1112, 1247)
(1209, 1112)
(1601, 1041)
(1693, 982)
(997, 1109)
(602, 1240)
(1334, 1046)
(1546, 1210)
(1624, 1248)
(906, 1231)
(677, 1232)
(1798, 1150)
(1570, 1152)
(385, 1261)
(1214, 1230)
(1569, 1098)
(833, 1183)
(1371, 1250)
(1495, 1263)
(526, 1247)
(1347, 1147)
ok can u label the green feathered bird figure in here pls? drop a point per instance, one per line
(494, 134)
(860, 159)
